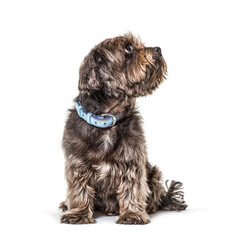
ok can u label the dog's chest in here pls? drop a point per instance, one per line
(106, 142)
(103, 170)
(106, 170)
(107, 176)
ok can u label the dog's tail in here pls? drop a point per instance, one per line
(173, 199)
(168, 197)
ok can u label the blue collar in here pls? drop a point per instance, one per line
(103, 121)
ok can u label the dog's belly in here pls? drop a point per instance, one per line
(106, 189)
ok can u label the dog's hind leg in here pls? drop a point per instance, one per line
(155, 185)
(160, 198)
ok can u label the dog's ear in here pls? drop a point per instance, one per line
(89, 79)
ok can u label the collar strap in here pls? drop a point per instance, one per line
(101, 121)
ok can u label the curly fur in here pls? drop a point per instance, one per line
(107, 169)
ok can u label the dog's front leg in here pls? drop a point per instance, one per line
(132, 195)
(80, 200)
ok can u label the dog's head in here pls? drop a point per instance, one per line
(122, 66)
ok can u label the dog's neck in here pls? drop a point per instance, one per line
(111, 105)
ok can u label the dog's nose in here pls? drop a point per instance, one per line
(157, 50)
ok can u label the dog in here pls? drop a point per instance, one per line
(106, 160)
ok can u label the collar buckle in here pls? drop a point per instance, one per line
(110, 115)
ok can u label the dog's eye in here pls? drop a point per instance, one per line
(128, 48)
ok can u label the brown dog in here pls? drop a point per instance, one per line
(106, 160)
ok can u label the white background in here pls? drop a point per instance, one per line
(192, 123)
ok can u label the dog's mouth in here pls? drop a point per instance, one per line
(157, 70)
(158, 64)
(158, 58)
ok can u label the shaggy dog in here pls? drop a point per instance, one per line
(106, 160)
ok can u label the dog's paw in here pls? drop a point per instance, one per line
(76, 219)
(63, 207)
(133, 218)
